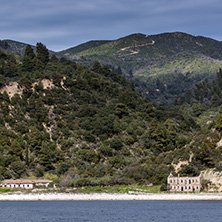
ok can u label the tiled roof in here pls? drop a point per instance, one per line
(25, 181)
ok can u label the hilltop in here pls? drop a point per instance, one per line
(162, 66)
(168, 58)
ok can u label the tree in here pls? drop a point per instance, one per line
(54, 59)
(219, 122)
(197, 109)
(28, 59)
(215, 101)
(97, 67)
(121, 110)
(2, 80)
(18, 167)
(42, 53)
(219, 78)
(158, 137)
(16, 149)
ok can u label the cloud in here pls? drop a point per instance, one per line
(71, 22)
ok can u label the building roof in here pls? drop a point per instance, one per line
(25, 181)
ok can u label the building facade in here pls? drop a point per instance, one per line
(26, 184)
(184, 184)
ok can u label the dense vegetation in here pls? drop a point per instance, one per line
(169, 58)
(155, 63)
(88, 126)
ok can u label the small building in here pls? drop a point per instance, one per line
(184, 184)
(25, 183)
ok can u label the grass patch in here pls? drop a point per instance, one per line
(119, 189)
(4, 190)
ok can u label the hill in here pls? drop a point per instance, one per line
(174, 61)
(166, 57)
(88, 126)
(16, 47)
(83, 126)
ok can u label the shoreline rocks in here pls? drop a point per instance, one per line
(106, 196)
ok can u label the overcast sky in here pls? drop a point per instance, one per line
(61, 24)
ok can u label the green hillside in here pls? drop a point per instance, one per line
(84, 126)
(164, 56)
(82, 47)
(145, 59)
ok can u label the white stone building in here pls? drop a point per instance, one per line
(184, 184)
(25, 183)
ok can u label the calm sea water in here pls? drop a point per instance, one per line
(102, 211)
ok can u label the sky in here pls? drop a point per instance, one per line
(62, 24)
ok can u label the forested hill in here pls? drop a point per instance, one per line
(88, 126)
(163, 67)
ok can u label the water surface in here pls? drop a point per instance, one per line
(102, 211)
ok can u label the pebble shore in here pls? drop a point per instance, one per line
(106, 196)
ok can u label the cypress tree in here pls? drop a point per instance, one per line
(219, 78)
(42, 53)
(28, 59)
(26, 156)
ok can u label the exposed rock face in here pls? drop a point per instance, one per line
(12, 88)
(179, 165)
(215, 179)
(219, 143)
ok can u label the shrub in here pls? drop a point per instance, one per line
(105, 150)
(163, 187)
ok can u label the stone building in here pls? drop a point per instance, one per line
(184, 184)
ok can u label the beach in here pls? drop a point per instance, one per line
(107, 196)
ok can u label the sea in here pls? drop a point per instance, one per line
(102, 211)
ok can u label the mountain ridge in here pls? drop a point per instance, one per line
(145, 59)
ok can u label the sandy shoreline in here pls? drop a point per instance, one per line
(106, 196)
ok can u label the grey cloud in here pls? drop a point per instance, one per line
(65, 23)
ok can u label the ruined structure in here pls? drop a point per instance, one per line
(184, 184)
